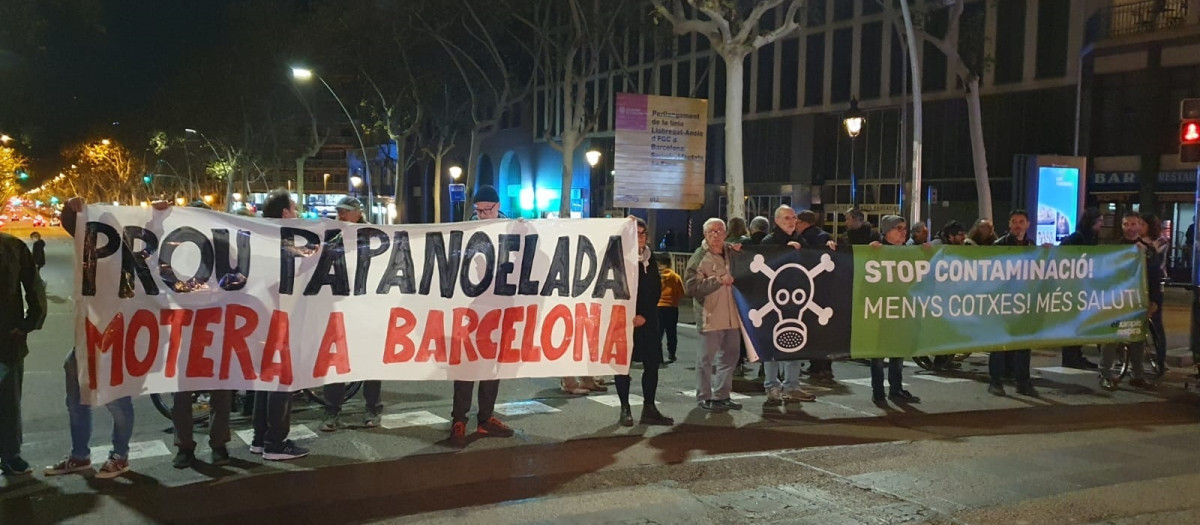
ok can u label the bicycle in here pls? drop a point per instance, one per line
(202, 405)
(1122, 366)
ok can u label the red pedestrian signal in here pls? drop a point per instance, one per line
(1189, 132)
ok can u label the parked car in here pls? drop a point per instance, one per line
(39, 221)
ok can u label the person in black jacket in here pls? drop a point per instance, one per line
(646, 349)
(784, 234)
(1087, 233)
(894, 232)
(39, 250)
(1132, 229)
(858, 230)
(1016, 361)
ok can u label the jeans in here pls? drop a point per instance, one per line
(1016, 361)
(11, 379)
(791, 374)
(272, 418)
(720, 347)
(895, 375)
(80, 416)
(335, 394)
(668, 324)
(220, 403)
(488, 391)
(1108, 354)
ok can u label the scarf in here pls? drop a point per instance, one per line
(644, 257)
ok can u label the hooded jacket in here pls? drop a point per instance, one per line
(713, 301)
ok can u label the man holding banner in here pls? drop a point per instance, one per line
(709, 281)
(894, 232)
(784, 234)
(1016, 362)
(1131, 233)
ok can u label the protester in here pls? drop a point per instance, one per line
(646, 348)
(738, 231)
(350, 211)
(273, 410)
(783, 234)
(1132, 228)
(919, 235)
(1016, 362)
(39, 250)
(487, 207)
(983, 233)
(759, 226)
(709, 282)
(1087, 233)
(220, 405)
(952, 234)
(22, 313)
(1157, 244)
(668, 305)
(812, 237)
(894, 232)
(80, 415)
(858, 230)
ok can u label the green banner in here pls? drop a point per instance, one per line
(912, 300)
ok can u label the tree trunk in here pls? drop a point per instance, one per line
(300, 161)
(472, 165)
(735, 189)
(571, 140)
(437, 186)
(978, 149)
(398, 180)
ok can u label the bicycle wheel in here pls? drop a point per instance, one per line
(201, 405)
(1151, 352)
(317, 395)
(924, 362)
(1120, 365)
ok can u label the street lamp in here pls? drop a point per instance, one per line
(854, 120)
(5, 139)
(106, 142)
(355, 182)
(455, 172)
(304, 74)
(593, 158)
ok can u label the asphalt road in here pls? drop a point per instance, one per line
(1076, 454)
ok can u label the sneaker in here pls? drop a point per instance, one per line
(371, 420)
(799, 395)
(220, 456)
(904, 396)
(996, 389)
(256, 449)
(728, 404)
(115, 466)
(774, 398)
(183, 459)
(332, 423)
(493, 428)
(15, 467)
(1107, 383)
(288, 450)
(68, 466)
(458, 434)
(711, 406)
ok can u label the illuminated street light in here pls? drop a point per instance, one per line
(106, 142)
(300, 73)
(593, 158)
(304, 74)
(5, 139)
(455, 172)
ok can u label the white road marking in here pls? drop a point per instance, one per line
(296, 433)
(732, 395)
(613, 401)
(940, 379)
(519, 408)
(1066, 371)
(138, 450)
(411, 419)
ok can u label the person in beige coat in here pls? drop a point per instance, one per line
(709, 282)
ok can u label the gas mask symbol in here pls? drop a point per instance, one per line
(791, 295)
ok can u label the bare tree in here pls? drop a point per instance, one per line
(733, 28)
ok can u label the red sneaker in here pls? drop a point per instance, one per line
(494, 428)
(458, 434)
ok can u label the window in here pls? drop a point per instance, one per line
(1054, 16)
(900, 67)
(665, 80)
(1010, 41)
(814, 70)
(871, 61)
(683, 80)
(816, 13)
(843, 10)
(789, 73)
(701, 83)
(843, 63)
(765, 89)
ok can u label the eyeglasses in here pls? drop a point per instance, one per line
(479, 208)
(641, 233)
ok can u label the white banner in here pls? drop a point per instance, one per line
(191, 299)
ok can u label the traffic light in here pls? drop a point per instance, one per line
(22, 176)
(1189, 141)
(147, 178)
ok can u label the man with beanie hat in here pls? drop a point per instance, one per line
(487, 206)
(894, 232)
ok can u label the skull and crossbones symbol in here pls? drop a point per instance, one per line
(791, 295)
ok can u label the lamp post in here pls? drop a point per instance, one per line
(355, 182)
(304, 74)
(854, 121)
(593, 159)
(455, 173)
(228, 165)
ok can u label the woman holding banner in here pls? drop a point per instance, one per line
(646, 349)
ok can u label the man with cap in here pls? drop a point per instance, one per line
(487, 206)
(350, 210)
(893, 230)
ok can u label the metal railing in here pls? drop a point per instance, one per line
(1137, 18)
